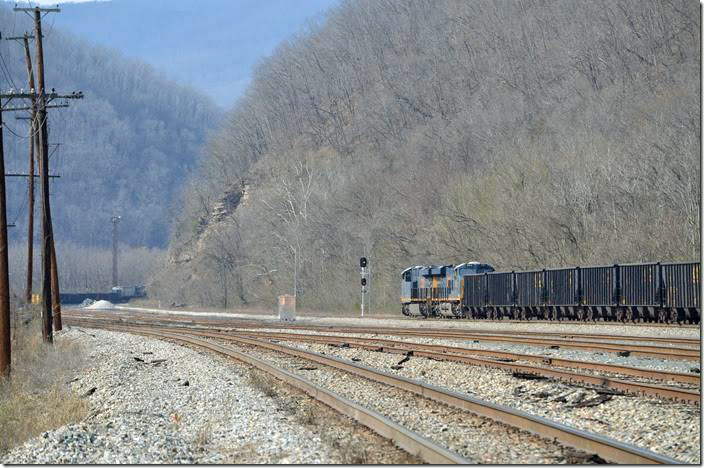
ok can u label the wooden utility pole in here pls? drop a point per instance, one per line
(56, 299)
(30, 190)
(51, 303)
(5, 345)
(44, 183)
(40, 100)
(43, 174)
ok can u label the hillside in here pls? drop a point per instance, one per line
(126, 147)
(524, 134)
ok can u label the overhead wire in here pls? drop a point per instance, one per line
(10, 81)
(22, 137)
(25, 202)
(5, 69)
(11, 84)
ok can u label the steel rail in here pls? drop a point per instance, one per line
(408, 440)
(516, 336)
(636, 350)
(563, 335)
(652, 339)
(501, 335)
(463, 331)
(409, 346)
(637, 388)
(607, 339)
(555, 361)
(606, 447)
(224, 321)
(652, 351)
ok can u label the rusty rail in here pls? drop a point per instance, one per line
(453, 350)
(605, 447)
(661, 352)
(636, 388)
(408, 440)
(489, 335)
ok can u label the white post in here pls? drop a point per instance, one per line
(362, 302)
(295, 271)
(369, 292)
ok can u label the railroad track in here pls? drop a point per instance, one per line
(221, 321)
(565, 339)
(461, 333)
(574, 340)
(606, 448)
(662, 352)
(408, 440)
(468, 356)
(636, 350)
(376, 343)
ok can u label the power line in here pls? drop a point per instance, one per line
(21, 137)
(6, 71)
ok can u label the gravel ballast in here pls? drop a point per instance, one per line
(157, 402)
(645, 362)
(664, 427)
(477, 439)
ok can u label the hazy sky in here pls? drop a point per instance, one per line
(50, 2)
(212, 45)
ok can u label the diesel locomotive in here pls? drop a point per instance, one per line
(642, 292)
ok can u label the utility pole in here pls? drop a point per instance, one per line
(55, 297)
(30, 189)
(50, 286)
(5, 345)
(115, 220)
(44, 182)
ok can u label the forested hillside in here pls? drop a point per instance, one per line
(125, 148)
(520, 133)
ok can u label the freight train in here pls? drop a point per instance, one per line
(642, 292)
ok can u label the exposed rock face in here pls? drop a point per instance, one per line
(237, 195)
(233, 198)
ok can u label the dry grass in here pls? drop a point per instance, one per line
(36, 397)
(263, 382)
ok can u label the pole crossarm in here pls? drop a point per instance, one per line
(24, 108)
(42, 9)
(47, 97)
(15, 174)
(20, 38)
(29, 10)
(50, 96)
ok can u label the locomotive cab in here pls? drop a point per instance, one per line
(410, 290)
(436, 290)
